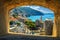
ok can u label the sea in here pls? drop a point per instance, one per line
(44, 17)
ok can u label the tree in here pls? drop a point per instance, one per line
(30, 24)
(18, 23)
(11, 22)
(15, 15)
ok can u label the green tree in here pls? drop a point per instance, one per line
(11, 22)
(18, 23)
(15, 15)
(30, 24)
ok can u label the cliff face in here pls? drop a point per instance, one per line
(7, 5)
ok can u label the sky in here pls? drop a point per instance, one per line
(40, 8)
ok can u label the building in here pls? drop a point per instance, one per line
(39, 23)
(48, 25)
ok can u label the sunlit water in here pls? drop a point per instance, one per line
(44, 17)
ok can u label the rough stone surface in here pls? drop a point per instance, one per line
(7, 5)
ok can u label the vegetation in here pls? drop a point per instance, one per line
(15, 15)
(18, 23)
(30, 24)
(11, 22)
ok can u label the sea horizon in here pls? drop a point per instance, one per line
(44, 17)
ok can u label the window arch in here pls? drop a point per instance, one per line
(31, 20)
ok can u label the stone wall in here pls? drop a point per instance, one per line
(7, 5)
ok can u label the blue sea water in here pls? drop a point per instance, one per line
(44, 17)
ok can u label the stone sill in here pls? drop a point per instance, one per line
(12, 33)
